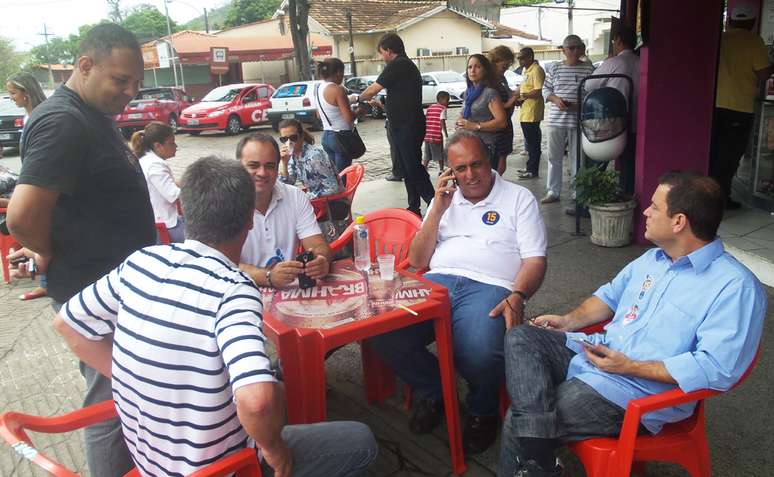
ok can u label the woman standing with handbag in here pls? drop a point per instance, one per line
(334, 109)
(483, 111)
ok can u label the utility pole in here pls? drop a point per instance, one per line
(169, 42)
(206, 22)
(46, 34)
(353, 65)
(570, 5)
(540, 23)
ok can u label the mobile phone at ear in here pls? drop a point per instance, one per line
(304, 280)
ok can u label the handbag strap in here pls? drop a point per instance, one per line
(320, 105)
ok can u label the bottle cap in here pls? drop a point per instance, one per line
(359, 219)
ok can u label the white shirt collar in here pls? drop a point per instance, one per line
(460, 199)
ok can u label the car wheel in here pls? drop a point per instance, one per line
(275, 126)
(233, 126)
(317, 125)
(172, 122)
(194, 133)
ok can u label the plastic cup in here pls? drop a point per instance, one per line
(386, 266)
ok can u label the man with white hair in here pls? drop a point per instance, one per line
(560, 90)
(743, 62)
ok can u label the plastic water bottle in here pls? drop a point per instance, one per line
(362, 245)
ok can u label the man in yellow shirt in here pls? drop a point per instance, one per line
(530, 95)
(743, 62)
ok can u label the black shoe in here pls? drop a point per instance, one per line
(394, 179)
(426, 416)
(571, 211)
(418, 212)
(479, 434)
(532, 469)
(733, 205)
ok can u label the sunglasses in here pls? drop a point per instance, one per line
(292, 137)
(575, 47)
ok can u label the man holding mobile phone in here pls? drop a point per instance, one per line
(484, 240)
(685, 314)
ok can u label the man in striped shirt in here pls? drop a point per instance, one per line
(560, 90)
(179, 330)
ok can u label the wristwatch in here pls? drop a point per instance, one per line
(479, 126)
(268, 277)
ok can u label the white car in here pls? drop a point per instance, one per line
(449, 81)
(294, 101)
(514, 80)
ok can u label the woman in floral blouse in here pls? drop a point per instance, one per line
(301, 160)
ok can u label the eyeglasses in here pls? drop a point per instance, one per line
(292, 137)
(574, 47)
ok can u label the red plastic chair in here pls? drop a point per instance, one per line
(14, 427)
(390, 231)
(353, 176)
(161, 228)
(7, 242)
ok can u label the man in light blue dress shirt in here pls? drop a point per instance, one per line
(685, 314)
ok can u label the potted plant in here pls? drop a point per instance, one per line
(611, 211)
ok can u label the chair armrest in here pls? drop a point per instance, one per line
(343, 239)
(14, 424)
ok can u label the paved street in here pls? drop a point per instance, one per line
(39, 375)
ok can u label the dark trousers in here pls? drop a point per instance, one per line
(408, 144)
(532, 139)
(396, 171)
(545, 404)
(730, 133)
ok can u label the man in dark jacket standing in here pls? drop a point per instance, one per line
(404, 112)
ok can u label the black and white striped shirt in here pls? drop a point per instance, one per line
(562, 80)
(187, 333)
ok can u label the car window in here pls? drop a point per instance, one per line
(249, 97)
(449, 77)
(263, 93)
(222, 94)
(9, 108)
(291, 91)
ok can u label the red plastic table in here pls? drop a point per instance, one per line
(343, 308)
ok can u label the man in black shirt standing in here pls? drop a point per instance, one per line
(81, 203)
(404, 112)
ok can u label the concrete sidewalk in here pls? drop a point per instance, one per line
(38, 375)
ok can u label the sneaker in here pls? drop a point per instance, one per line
(426, 415)
(479, 434)
(527, 175)
(521, 171)
(532, 469)
(394, 178)
(550, 198)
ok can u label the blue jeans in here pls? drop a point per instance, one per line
(331, 146)
(477, 343)
(337, 449)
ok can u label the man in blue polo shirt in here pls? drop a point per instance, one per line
(685, 314)
(484, 240)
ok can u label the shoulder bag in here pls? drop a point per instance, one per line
(349, 141)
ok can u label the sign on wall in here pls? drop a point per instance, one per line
(218, 60)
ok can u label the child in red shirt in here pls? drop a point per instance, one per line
(435, 130)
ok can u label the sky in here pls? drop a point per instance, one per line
(22, 20)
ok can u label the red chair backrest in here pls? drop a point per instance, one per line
(352, 175)
(390, 231)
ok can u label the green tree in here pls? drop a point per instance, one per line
(10, 60)
(249, 11)
(115, 12)
(147, 23)
(60, 50)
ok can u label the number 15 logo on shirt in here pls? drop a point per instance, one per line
(491, 217)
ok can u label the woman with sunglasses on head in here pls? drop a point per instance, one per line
(502, 58)
(301, 160)
(154, 145)
(26, 93)
(483, 111)
(334, 108)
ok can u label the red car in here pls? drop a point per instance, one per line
(153, 104)
(229, 108)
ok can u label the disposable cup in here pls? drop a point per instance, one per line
(386, 266)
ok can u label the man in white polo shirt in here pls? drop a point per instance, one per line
(484, 240)
(283, 219)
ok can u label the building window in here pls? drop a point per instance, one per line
(424, 52)
(462, 50)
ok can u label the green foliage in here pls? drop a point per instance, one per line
(10, 60)
(147, 23)
(60, 50)
(594, 186)
(216, 17)
(249, 11)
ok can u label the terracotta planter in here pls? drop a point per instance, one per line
(612, 224)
